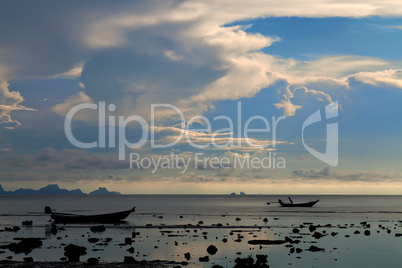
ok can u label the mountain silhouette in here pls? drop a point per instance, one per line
(54, 189)
(103, 190)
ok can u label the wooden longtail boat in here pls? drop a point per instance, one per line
(77, 218)
(291, 204)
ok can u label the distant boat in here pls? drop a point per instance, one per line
(77, 218)
(291, 204)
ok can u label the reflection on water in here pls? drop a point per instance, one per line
(165, 227)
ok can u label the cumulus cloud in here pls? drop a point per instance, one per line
(215, 62)
(390, 77)
(186, 56)
(10, 101)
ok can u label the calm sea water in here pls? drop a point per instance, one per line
(239, 215)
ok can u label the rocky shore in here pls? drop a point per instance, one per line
(206, 245)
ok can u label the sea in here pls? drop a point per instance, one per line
(357, 230)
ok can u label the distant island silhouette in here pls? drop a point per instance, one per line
(54, 189)
(241, 193)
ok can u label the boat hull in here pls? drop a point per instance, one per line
(102, 218)
(304, 205)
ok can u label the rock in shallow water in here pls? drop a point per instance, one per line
(212, 249)
(204, 259)
(93, 261)
(315, 249)
(73, 252)
(266, 242)
(24, 246)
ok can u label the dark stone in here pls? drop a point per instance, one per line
(28, 259)
(73, 252)
(93, 261)
(317, 235)
(204, 259)
(291, 241)
(366, 232)
(398, 235)
(13, 229)
(128, 240)
(27, 223)
(129, 259)
(25, 245)
(357, 232)
(187, 256)
(266, 242)
(131, 250)
(98, 228)
(224, 240)
(238, 219)
(244, 262)
(261, 259)
(265, 220)
(54, 231)
(299, 250)
(212, 250)
(295, 231)
(93, 240)
(200, 222)
(312, 228)
(334, 234)
(315, 249)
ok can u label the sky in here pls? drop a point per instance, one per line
(202, 97)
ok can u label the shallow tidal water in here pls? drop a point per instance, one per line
(168, 226)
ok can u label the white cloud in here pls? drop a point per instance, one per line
(75, 72)
(289, 109)
(10, 101)
(390, 77)
(224, 141)
(84, 115)
(190, 34)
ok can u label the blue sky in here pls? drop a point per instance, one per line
(205, 58)
(302, 38)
